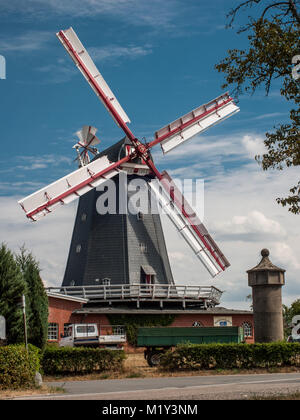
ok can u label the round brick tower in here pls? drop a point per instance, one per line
(266, 281)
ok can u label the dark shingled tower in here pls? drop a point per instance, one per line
(116, 249)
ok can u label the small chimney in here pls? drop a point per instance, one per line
(266, 281)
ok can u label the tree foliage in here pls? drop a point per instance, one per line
(20, 275)
(274, 40)
(36, 299)
(12, 287)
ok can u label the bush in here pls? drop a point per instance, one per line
(81, 360)
(17, 369)
(231, 356)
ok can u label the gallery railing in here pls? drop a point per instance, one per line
(141, 292)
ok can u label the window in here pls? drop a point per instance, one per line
(118, 330)
(85, 329)
(106, 282)
(140, 216)
(83, 217)
(247, 329)
(52, 331)
(197, 324)
(67, 330)
(143, 248)
(78, 248)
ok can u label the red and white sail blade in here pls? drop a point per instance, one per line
(188, 224)
(83, 61)
(195, 122)
(69, 188)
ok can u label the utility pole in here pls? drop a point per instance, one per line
(24, 319)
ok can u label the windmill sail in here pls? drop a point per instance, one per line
(69, 188)
(188, 224)
(195, 122)
(83, 61)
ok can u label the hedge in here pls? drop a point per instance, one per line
(231, 356)
(17, 368)
(81, 360)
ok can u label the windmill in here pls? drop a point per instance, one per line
(135, 160)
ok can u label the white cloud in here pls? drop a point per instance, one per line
(250, 227)
(27, 41)
(137, 12)
(48, 239)
(254, 145)
(270, 115)
(285, 254)
(114, 52)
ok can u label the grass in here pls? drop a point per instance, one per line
(41, 390)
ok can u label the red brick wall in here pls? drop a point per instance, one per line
(60, 312)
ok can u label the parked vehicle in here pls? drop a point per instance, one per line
(88, 335)
(158, 340)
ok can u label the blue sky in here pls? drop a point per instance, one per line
(158, 57)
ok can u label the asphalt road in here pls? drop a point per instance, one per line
(178, 388)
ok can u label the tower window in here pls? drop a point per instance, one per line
(83, 217)
(78, 248)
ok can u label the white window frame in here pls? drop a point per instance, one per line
(53, 331)
(248, 329)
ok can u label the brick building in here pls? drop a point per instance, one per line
(65, 310)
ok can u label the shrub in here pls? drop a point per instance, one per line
(231, 356)
(81, 360)
(17, 368)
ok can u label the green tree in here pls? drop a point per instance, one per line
(274, 42)
(36, 299)
(12, 287)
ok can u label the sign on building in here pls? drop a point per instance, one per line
(222, 321)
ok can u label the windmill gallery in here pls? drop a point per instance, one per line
(118, 260)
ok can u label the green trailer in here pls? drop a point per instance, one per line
(157, 340)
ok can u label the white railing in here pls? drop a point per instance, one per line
(141, 291)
